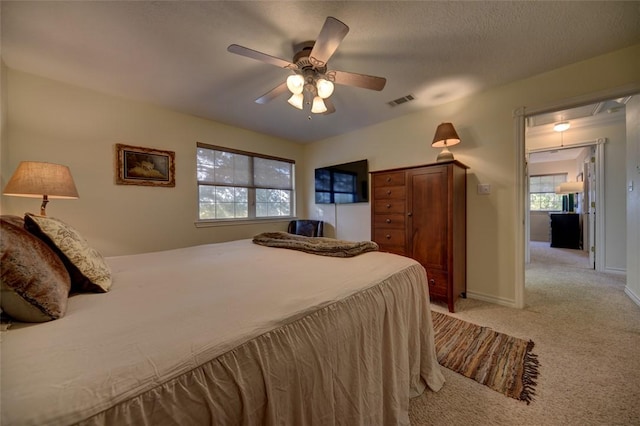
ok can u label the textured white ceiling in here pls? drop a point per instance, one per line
(173, 54)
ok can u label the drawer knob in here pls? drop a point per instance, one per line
(388, 206)
(388, 179)
(389, 192)
(432, 282)
(388, 236)
(409, 214)
(388, 220)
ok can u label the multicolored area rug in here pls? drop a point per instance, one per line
(501, 362)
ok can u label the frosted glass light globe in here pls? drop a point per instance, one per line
(295, 83)
(325, 88)
(318, 106)
(296, 100)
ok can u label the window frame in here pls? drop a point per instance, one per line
(564, 176)
(251, 194)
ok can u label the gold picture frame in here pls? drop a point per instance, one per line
(136, 165)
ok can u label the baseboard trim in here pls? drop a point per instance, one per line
(510, 303)
(632, 295)
(618, 271)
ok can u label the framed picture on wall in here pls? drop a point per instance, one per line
(136, 165)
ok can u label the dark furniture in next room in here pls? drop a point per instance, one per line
(565, 230)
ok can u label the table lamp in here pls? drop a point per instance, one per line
(38, 179)
(445, 137)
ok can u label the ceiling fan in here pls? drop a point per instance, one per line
(310, 77)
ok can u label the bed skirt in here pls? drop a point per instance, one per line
(356, 362)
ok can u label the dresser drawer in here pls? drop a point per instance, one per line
(392, 220)
(388, 179)
(388, 206)
(388, 248)
(389, 237)
(438, 283)
(389, 193)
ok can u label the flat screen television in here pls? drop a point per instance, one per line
(343, 183)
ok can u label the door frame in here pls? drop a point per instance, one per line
(519, 118)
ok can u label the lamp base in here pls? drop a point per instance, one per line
(45, 200)
(445, 155)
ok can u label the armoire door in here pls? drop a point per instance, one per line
(428, 217)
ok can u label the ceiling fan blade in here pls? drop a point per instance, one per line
(254, 54)
(359, 80)
(330, 107)
(332, 33)
(272, 94)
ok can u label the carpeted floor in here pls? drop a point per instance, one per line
(587, 336)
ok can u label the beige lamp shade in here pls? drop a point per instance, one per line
(570, 188)
(445, 137)
(39, 179)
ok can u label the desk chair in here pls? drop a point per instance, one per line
(308, 228)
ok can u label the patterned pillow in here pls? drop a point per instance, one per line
(88, 270)
(35, 284)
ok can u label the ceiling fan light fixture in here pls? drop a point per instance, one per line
(296, 100)
(318, 106)
(310, 76)
(295, 83)
(325, 88)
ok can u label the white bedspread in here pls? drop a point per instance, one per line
(231, 333)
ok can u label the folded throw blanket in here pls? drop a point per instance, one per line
(315, 245)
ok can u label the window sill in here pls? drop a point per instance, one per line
(240, 222)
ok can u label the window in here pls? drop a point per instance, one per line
(542, 192)
(235, 184)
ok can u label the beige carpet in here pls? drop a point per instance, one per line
(587, 335)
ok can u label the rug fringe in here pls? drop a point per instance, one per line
(530, 374)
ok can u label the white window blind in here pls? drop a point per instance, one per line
(542, 192)
(235, 184)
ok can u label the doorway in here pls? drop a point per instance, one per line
(551, 220)
(603, 106)
(578, 152)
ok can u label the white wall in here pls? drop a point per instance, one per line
(486, 126)
(3, 119)
(555, 167)
(633, 198)
(540, 227)
(54, 122)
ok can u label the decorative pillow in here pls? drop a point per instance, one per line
(88, 270)
(34, 282)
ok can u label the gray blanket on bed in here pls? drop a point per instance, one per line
(315, 245)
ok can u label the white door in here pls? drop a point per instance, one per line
(590, 206)
(527, 211)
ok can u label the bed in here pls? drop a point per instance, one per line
(225, 334)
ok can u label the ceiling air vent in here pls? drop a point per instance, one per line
(401, 100)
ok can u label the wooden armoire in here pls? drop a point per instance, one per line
(421, 212)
